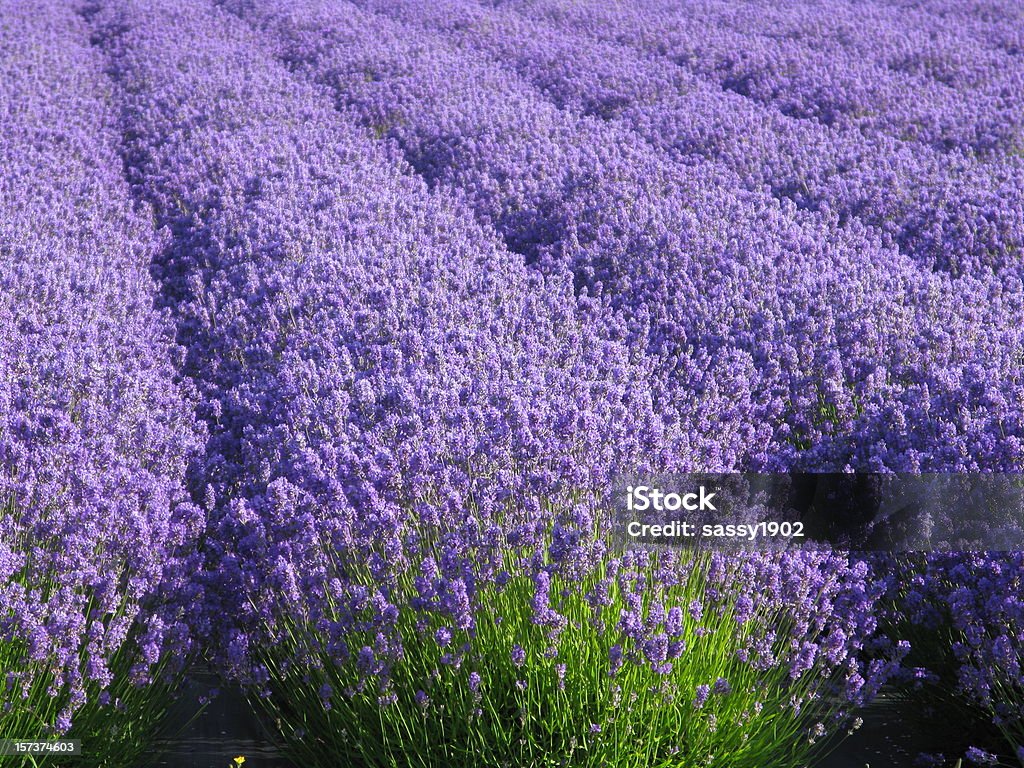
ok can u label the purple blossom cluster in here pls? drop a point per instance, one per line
(814, 615)
(96, 429)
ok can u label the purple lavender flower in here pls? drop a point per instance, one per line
(703, 692)
(443, 636)
(978, 756)
(518, 655)
(674, 621)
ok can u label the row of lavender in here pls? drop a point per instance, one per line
(96, 429)
(425, 276)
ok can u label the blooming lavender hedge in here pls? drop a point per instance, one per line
(946, 208)
(331, 492)
(436, 274)
(96, 428)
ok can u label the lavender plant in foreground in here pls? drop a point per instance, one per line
(653, 659)
(96, 431)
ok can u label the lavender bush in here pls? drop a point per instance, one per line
(647, 660)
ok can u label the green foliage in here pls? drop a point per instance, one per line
(428, 714)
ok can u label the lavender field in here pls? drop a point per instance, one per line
(327, 326)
